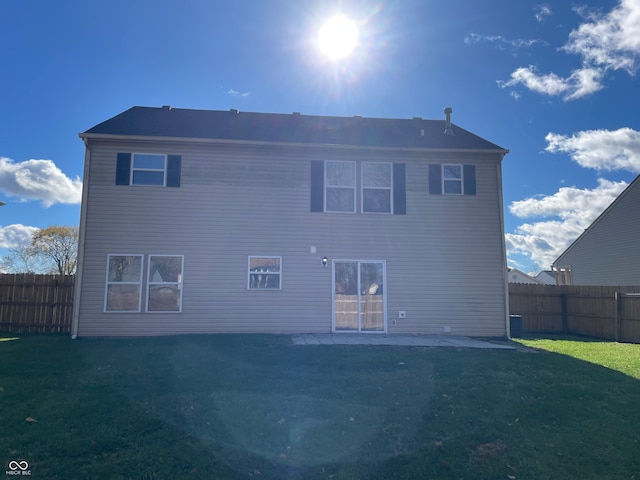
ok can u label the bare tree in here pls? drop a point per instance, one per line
(57, 246)
(52, 250)
(21, 259)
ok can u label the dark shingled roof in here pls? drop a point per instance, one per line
(288, 128)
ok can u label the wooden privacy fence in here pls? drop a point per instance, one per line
(36, 303)
(611, 313)
(371, 311)
(44, 303)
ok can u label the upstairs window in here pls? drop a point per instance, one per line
(340, 187)
(452, 179)
(383, 189)
(148, 169)
(376, 187)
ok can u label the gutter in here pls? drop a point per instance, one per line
(81, 238)
(505, 275)
(218, 141)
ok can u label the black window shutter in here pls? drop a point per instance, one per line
(123, 169)
(399, 189)
(435, 179)
(317, 186)
(469, 176)
(174, 163)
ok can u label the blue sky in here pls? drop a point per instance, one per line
(554, 82)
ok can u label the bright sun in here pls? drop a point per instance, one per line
(338, 37)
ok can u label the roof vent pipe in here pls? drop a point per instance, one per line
(447, 127)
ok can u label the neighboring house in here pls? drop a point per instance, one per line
(516, 276)
(607, 252)
(546, 277)
(200, 221)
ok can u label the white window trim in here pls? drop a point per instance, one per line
(326, 186)
(179, 283)
(452, 179)
(333, 295)
(389, 188)
(271, 273)
(164, 169)
(139, 282)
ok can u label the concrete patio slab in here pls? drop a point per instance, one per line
(395, 339)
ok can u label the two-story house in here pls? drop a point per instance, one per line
(606, 253)
(199, 221)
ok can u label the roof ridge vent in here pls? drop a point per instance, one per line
(166, 107)
(234, 110)
(448, 130)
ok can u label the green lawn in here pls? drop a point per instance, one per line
(624, 357)
(255, 406)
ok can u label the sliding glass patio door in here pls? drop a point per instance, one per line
(358, 296)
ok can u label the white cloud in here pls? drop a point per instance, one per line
(542, 242)
(38, 180)
(503, 41)
(570, 202)
(574, 210)
(604, 42)
(15, 235)
(612, 40)
(600, 149)
(235, 93)
(550, 84)
(541, 11)
(580, 83)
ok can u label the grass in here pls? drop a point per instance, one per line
(255, 406)
(623, 357)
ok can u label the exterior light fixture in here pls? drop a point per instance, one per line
(324, 261)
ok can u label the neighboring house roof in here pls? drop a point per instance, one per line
(559, 261)
(516, 276)
(288, 128)
(547, 277)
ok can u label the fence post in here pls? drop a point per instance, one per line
(55, 309)
(50, 295)
(618, 315)
(565, 314)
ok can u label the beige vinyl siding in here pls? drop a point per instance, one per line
(235, 201)
(457, 239)
(607, 253)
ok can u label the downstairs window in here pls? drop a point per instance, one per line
(124, 279)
